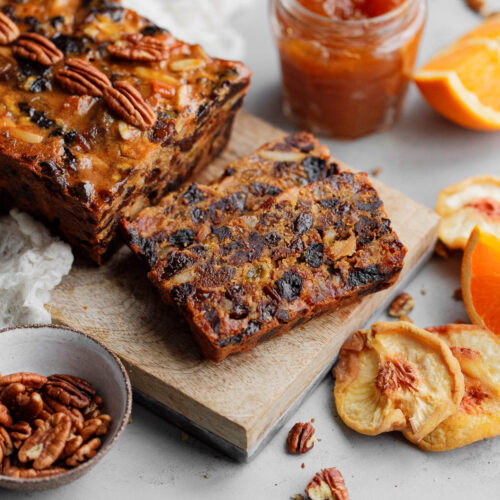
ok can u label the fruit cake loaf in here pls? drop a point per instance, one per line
(194, 212)
(102, 112)
(258, 274)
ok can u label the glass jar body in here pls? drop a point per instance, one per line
(346, 78)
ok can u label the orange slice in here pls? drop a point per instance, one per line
(481, 279)
(461, 81)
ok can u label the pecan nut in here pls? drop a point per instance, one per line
(402, 305)
(53, 406)
(95, 426)
(5, 417)
(13, 471)
(328, 483)
(47, 443)
(32, 380)
(37, 48)
(67, 392)
(10, 393)
(137, 47)
(79, 77)
(85, 452)
(28, 406)
(20, 431)
(72, 445)
(128, 104)
(8, 30)
(6, 446)
(301, 438)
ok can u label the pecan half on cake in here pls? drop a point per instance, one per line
(242, 267)
(102, 113)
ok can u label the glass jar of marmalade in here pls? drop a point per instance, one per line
(346, 64)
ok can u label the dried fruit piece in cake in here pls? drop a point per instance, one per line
(199, 210)
(472, 202)
(256, 275)
(478, 417)
(81, 160)
(396, 376)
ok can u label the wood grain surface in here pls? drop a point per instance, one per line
(241, 398)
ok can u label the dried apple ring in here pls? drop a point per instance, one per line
(478, 416)
(473, 202)
(396, 376)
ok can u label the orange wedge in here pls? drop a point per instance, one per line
(481, 279)
(462, 82)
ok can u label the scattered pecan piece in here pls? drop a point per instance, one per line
(79, 77)
(32, 380)
(301, 438)
(128, 104)
(457, 295)
(47, 443)
(37, 48)
(478, 6)
(8, 30)
(327, 484)
(137, 47)
(442, 250)
(402, 305)
(88, 450)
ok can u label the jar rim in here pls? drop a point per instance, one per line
(384, 18)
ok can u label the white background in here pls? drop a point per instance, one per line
(421, 155)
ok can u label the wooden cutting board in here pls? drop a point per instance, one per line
(237, 404)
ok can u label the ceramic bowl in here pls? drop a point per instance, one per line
(48, 349)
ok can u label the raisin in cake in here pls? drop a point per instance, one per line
(102, 112)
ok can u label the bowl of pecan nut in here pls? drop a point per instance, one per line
(64, 401)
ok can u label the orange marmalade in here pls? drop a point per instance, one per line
(346, 64)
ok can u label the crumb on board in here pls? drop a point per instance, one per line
(457, 294)
(303, 465)
(85, 307)
(312, 420)
(423, 292)
(298, 496)
(376, 171)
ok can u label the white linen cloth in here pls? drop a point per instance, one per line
(32, 263)
(206, 22)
